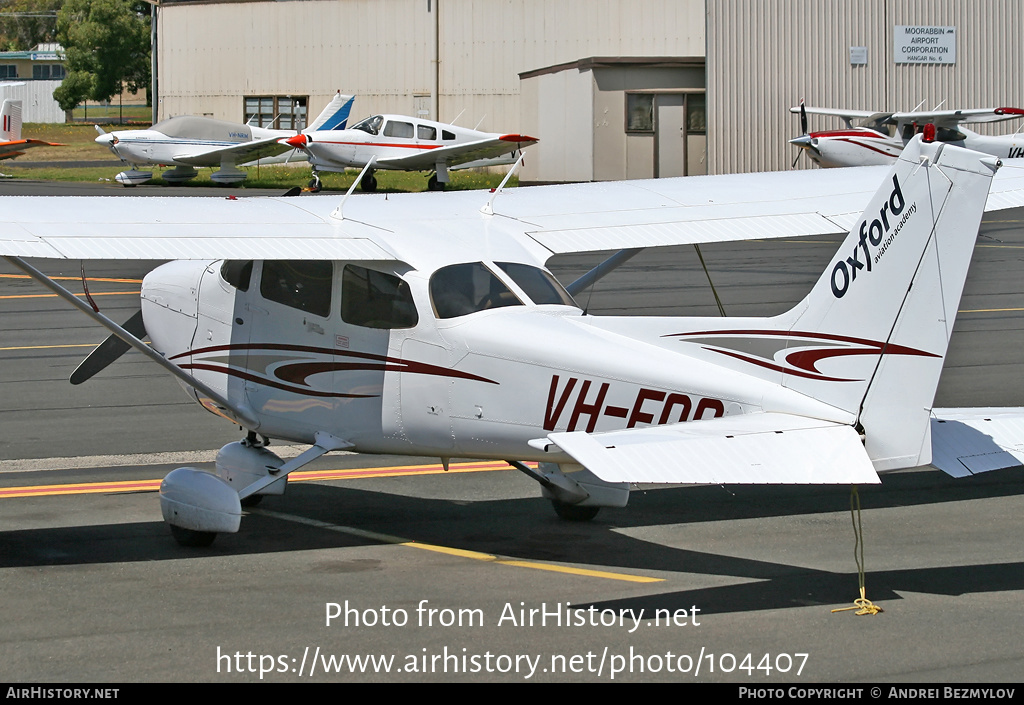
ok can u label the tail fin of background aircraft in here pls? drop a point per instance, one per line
(871, 336)
(10, 121)
(335, 115)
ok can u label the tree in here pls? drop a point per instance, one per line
(25, 23)
(106, 49)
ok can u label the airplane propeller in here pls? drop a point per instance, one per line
(805, 142)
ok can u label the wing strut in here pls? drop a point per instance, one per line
(241, 415)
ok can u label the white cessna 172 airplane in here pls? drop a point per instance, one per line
(880, 137)
(406, 144)
(188, 141)
(426, 324)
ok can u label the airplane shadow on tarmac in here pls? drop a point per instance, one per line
(527, 529)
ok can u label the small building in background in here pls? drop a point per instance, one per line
(31, 77)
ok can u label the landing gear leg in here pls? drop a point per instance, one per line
(315, 186)
(368, 183)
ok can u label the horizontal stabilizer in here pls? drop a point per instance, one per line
(764, 449)
(971, 441)
(108, 351)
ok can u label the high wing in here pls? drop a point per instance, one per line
(459, 153)
(952, 118)
(768, 448)
(553, 219)
(847, 116)
(235, 153)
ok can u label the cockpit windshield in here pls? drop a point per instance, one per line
(371, 124)
(462, 289)
(540, 286)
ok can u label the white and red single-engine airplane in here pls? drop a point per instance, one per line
(188, 141)
(878, 138)
(406, 144)
(427, 324)
(11, 142)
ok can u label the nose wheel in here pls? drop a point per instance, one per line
(315, 186)
(192, 539)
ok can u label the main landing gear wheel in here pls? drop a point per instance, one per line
(192, 539)
(574, 512)
(368, 183)
(314, 185)
(433, 184)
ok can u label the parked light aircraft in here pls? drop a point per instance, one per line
(406, 144)
(880, 137)
(11, 143)
(425, 324)
(188, 141)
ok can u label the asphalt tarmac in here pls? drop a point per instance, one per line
(469, 576)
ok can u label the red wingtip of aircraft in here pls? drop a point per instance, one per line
(517, 138)
(298, 141)
(1009, 111)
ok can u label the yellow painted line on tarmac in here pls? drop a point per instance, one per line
(53, 296)
(77, 279)
(297, 476)
(459, 552)
(989, 310)
(48, 347)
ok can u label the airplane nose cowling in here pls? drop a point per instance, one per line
(298, 141)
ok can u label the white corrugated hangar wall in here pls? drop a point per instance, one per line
(763, 56)
(212, 54)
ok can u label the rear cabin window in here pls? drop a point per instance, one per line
(540, 286)
(461, 289)
(237, 273)
(305, 285)
(374, 299)
(398, 129)
(446, 135)
(425, 132)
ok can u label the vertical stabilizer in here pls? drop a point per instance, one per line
(335, 115)
(10, 121)
(885, 306)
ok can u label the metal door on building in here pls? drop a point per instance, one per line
(680, 134)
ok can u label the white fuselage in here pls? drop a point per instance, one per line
(481, 384)
(155, 147)
(386, 137)
(863, 146)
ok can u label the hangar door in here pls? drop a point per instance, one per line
(678, 123)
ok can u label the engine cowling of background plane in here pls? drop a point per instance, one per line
(200, 501)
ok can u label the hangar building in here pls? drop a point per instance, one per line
(613, 88)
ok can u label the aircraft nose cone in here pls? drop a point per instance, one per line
(804, 141)
(298, 141)
(105, 140)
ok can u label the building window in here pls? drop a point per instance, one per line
(8, 71)
(640, 112)
(696, 114)
(48, 72)
(276, 112)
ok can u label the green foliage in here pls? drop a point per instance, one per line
(19, 31)
(106, 48)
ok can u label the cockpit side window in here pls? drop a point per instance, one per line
(540, 286)
(237, 273)
(375, 299)
(395, 128)
(461, 289)
(305, 284)
(370, 124)
(426, 132)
